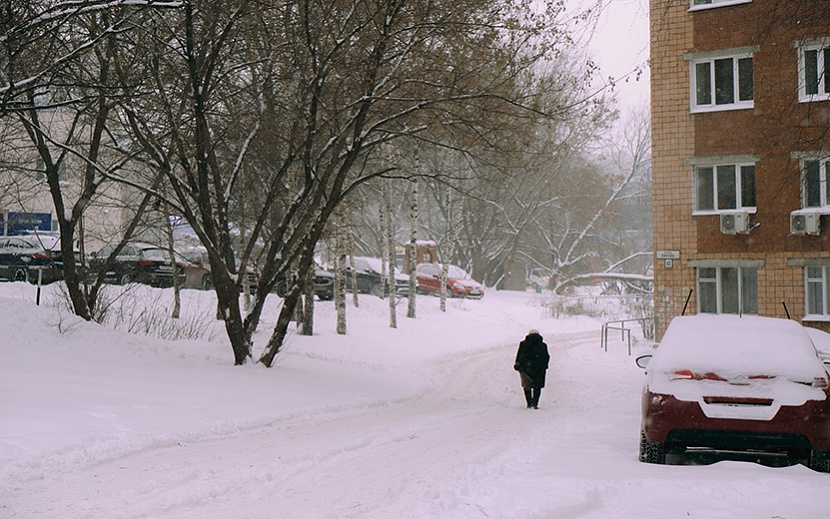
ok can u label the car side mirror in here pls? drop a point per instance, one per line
(642, 361)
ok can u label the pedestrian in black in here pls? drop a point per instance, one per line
(532, 363)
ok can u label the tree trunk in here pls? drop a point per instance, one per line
(447, 252)
(281, 328)
(177, 297)
(384, 253)
(391, 284)
(308, 299)
(340, 280)
(355, 298)
(227, 307)
(413, 235)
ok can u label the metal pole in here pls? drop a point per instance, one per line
(39, 281)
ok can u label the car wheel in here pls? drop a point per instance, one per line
(651, 452)
(375, 289)
(125, 279)
(20, 275)
(450, 294)
(820, 460)
(207, 282)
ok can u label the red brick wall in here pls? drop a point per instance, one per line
(777, 127)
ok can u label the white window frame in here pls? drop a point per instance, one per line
(718, 282)
(822, 283)
(710, 58)
(824, 196)
(693, 6)
(821, 47)
(739, 204)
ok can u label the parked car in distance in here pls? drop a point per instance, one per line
(198, 271)
(370, 277)
(323, 284)
(22, 257)
(728, 383)
(140, 263)
(459, 282)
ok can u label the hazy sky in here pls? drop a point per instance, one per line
(619, 44)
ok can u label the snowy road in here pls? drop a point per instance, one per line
(354, 427)
(375, 460)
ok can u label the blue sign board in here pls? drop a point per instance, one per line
(19, 223)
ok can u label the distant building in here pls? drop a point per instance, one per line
(741, 158)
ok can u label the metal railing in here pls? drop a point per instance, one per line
(647, 324)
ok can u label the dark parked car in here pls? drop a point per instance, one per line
(369, 276)
(459, 282)
(728, 383)
(323, 284)
(198, 273)
(22, 257)
(140, 263)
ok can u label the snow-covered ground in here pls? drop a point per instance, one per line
(426, 420)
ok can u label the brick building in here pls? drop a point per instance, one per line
(741, 156)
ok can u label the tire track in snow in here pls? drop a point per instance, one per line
(370, 461)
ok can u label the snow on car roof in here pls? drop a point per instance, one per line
(731, 344)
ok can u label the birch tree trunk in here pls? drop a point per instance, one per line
(355, 298)
(340, 281)
(390, 255)
(413, 237)
(384, 255)
(448, 252)
(177, 297)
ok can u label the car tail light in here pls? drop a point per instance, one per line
(683, 374)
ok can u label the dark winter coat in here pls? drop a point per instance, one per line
(532, 359)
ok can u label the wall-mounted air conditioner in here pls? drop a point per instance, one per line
(802, 222)
(734, 223)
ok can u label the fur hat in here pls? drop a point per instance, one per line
(533, 331)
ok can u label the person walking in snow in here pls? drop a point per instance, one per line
(532, 364)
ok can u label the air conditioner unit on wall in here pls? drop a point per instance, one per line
(734, 223)
(805, 223)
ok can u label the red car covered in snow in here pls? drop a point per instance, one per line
(459, 282)
(729, 383)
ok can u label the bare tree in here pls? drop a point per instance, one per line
(263, 117)
(58, 90)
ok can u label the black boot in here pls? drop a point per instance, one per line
(537, 392)
(529, 398)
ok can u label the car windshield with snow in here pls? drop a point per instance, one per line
(736, 383)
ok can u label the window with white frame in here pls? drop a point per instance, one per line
(723, 187)
(722, 82)
(814, 185)
(813, 61)
(727, 290)
(707, 4)
(817, 295)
